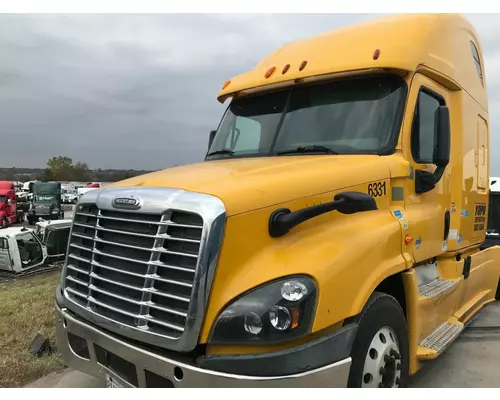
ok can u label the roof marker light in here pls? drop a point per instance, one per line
(269, 72)
(226, 84)
(285, 68)
(302, 65)
(376, 54)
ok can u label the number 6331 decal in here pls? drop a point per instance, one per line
(377, 189)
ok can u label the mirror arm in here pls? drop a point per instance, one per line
(426, 181)
(282, 220)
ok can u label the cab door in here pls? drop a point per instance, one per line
(427, 214)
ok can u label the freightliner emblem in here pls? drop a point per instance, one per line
(130, 202)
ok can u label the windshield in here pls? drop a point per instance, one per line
(44, 197)
(352, 116)
(3, 199)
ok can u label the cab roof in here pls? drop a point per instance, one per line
(440, 42)
(14, 230)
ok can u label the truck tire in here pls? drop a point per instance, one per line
(380, 353)
(75, 200)
(4, 222)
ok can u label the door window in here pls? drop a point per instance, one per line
(424, 128)
(30, 249)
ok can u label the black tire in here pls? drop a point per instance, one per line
(75, 200)
(381, 310)
(4, 222)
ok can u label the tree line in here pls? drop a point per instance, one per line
(62, 168)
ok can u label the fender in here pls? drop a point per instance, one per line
(348, 255)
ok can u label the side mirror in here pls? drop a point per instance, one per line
(426, 181)
(211, 138)
(443, 131)
(353, 202)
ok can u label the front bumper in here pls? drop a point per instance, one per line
(101, 354)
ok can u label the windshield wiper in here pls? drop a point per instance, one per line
(223, 151)
(309, 149)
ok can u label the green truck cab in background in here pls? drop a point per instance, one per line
(46, 203)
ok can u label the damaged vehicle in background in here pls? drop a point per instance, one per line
(24, 250)
(54, 236)
(20, 252)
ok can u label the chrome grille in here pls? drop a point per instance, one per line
(134, 268)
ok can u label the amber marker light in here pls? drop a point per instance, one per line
(294, 313)
(269, 72)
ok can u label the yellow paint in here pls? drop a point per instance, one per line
(350, 255)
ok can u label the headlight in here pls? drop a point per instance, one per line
(275, 312)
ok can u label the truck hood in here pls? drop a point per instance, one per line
(247, 184)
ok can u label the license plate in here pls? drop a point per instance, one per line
(112, 383)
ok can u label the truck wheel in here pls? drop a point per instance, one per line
(75, 200)
(380, 353)
(4, 222)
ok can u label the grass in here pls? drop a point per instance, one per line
(26, 308)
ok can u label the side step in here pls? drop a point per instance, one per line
(436, 288)
(439, 340)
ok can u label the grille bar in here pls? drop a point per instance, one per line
(149, 276)
(149, 290)
(136, 269)
(161, 236)
(148, 303)
(138, 316)
(158, 249)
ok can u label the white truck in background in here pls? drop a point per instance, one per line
(493, 225)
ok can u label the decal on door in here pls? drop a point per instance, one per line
(479, 217)
(453, 234)
(401, 218)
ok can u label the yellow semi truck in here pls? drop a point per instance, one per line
(329, 239)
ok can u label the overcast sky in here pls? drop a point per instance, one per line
(139, 91)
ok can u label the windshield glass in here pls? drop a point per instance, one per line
(3, 199)
(352, 116)
(44, 197)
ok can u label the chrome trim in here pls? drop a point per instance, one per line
(330, 376)
(159, 201)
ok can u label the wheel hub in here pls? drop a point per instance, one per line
(382, 366)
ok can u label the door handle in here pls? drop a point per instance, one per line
(446, 224)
